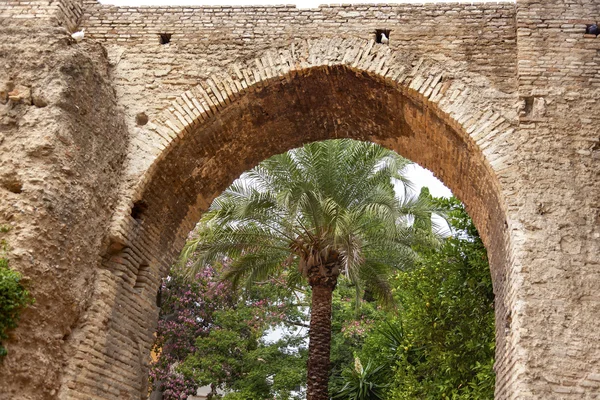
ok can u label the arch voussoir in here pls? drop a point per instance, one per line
(430, 79)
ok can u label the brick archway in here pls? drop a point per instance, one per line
(93, 227)
(430, 110)
(440, 91)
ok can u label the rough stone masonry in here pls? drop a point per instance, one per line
(111, 149)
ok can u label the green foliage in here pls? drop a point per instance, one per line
(328, 209)
(337, 197)
(364, 383)
(350, 326)
(296, 209)
(234, 357)
(212, 335)
(441, 345)
(14, 297)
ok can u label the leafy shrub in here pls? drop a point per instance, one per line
(440, 345)
(210, 335)
(13, 298)
(364, 383)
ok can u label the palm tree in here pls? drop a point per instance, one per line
(325, 210)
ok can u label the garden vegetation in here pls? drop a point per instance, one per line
(14, 297)
(404, 313)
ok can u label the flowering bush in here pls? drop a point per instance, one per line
(187, 312)
(357, 327)
(209, 335)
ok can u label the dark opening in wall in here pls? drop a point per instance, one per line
(141, 119)
(14, 185)
(592, 29)
(528, 106)
(382, 36)
(165, 38)
(138, 209)
(159, 296)
(143, 277)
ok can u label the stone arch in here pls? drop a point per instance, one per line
(430, 109)
(464, 101)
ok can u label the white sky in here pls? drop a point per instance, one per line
(423, 177)
(298, 3)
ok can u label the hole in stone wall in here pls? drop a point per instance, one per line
(592, 29)
(159, 296)
(141, 119)
(143, 277)
(528, 106)
(165, 38)
(382, 36)
(508, 322)
(13, 185)
(138, 209)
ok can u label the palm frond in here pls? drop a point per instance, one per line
(376, 276)
(254, 267)
(335, 194)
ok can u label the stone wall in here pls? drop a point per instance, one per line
(555, 210)
(472, 47)
(205, 40)
(496, 99)
(65, 13)
(62, 151)
(209, 40)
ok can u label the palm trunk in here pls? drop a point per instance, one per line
(319, 342)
